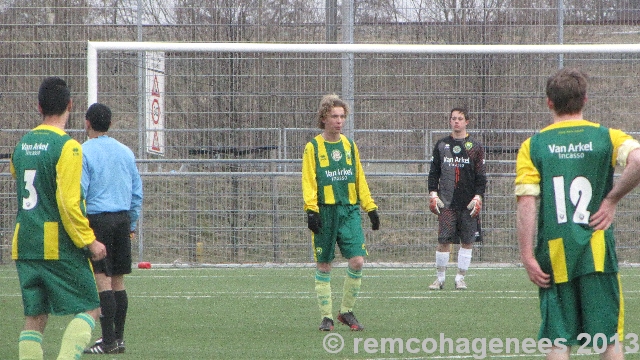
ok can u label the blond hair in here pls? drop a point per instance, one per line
(327, 103)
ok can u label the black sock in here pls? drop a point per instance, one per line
(108, 308)
(122, 304)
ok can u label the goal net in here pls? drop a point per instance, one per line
(220, 151)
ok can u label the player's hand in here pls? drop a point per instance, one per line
(98, 250)
(314, 222)
(536, 275)
(375, 219)
(132, 235)
(603, 218)
(435, 204)
(475, 205)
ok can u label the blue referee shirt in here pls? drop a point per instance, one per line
(110, 178)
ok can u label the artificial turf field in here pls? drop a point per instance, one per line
(271, 313)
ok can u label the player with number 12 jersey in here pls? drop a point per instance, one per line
(574, 155)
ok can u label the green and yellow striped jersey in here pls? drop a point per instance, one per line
(51, 222)
(332, 174)
(570, 166)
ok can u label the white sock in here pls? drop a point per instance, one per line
(442, 259)
(464, 260)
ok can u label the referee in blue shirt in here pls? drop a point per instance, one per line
(113, 191)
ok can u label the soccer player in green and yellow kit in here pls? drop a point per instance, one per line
(334, 187)
(569, 167)
(52, 236)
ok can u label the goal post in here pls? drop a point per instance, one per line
(241, 114)
(93, 47)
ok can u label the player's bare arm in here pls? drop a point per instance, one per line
(526, 224)
(630, 178)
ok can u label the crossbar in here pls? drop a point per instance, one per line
(94, 46)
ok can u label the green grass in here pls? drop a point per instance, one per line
(271, 313)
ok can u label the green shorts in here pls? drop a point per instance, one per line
(591, 304)
(342, 225)
(58, 287)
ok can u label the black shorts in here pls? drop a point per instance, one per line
(457, 226)
(112, 229)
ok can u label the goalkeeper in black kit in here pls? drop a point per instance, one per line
(457, 183)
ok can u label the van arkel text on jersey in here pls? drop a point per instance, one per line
(34, 149)
(572, 151)
(457, 161)
(339, 175)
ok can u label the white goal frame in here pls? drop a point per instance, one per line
(93, 47)
(347, 51)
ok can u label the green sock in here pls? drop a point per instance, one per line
(30, 345)
(351, 289)
(76, 337)
(323, 290)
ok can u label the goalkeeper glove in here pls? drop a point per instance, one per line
(435, 204)
(314, 222)
(375, 219)
(475, 205)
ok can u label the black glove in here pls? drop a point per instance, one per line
(375, 219)
(314, 222)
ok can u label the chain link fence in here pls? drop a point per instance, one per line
(227, 189)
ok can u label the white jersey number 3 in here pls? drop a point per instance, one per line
(30, 202)
(580, 193)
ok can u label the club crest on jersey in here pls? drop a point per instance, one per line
(336, 155)
(457, 149)
(347, 155)
(468, 145)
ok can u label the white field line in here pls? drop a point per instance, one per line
(378, 265)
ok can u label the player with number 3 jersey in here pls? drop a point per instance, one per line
(52, 237)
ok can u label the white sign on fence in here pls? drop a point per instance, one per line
(154, 98)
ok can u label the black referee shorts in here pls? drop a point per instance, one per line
(112, 229)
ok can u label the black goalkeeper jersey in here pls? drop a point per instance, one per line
(457, 171)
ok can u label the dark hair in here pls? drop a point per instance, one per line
(99, 116)
(567, 90)
(461, 110)
(53, 96)
(327, 103)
